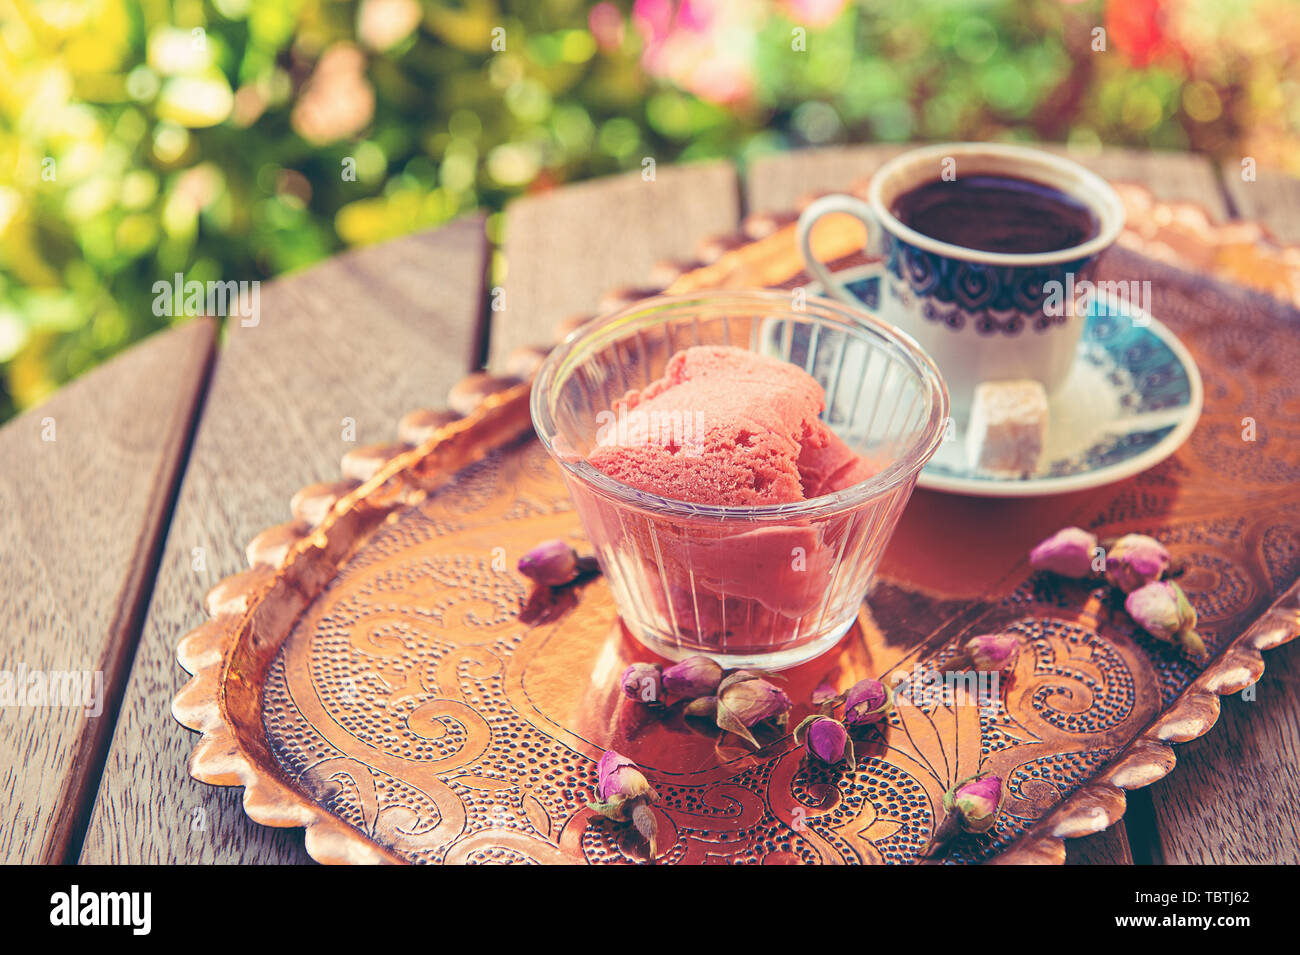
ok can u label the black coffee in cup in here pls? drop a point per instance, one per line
(994, 213)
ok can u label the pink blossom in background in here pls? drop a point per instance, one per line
(722, 80)
(707, 47)
(814, 13)
(653, 18)
(606, 25)
(695, 15)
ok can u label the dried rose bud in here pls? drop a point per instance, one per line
(990, 652)
(1068, 552)
(1134, 561)
(867, 701)
(624, 794)
(617, 777)
(825, 739)
(969, 806)
(695, 676)
(745, 699)
(975, 802)
(643, 682)
(1163, 610)
(706, 706)
(753, 700)
(551, 563)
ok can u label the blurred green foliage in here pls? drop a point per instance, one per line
(239, 139)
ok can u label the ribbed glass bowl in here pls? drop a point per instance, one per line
(766, 586)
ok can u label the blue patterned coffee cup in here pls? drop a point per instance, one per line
(982, 316)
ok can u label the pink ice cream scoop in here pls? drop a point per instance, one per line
(727, 426)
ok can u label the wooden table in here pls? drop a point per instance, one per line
(166, 461)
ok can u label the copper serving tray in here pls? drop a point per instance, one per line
(368, 677)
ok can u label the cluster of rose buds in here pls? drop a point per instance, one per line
(554, 563)
(970, 805)
(736, 701)
(652, 684)
(625, 795)
(1137, 565)
(1129, 562)
(829, 740)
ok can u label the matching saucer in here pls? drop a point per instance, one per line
(1132, 398)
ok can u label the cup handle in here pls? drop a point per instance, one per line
(808, 218)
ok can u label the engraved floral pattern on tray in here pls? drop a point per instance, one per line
(407, 702)
(402, 701)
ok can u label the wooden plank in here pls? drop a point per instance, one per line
(1109, 847)
(1235, 793)
(1272, 199)
(1174, 177)
(85, 494)
(363, 338)
(778, 183)
(1233, 796)
(566, 249)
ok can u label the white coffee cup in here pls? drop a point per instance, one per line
(982, 316)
